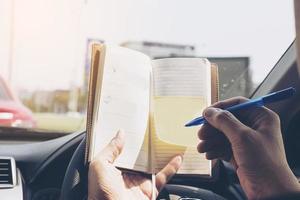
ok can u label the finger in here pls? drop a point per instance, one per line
(267, 119)
(207, 131)
(114, 148)
(167, 172)
(213, 144)
(229, 102)
(227, 123)
(214, 155)
(247, 116)
(224, 154)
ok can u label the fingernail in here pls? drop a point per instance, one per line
(209, 112)
(179, 159)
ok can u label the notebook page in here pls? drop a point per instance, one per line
(124, 104)
(193, 162)
(182, 89)
(142, 161)
(182, 77)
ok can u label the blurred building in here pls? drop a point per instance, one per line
(158, 50)
(234, 76)
(234, 72)
(50, 101)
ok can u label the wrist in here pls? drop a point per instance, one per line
(279, 183)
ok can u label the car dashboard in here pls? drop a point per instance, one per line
(41, 168)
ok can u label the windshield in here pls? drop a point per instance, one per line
(44, 51)
(4, 93)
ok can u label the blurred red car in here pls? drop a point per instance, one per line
(12, 112)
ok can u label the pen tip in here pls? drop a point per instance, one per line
(187, 125)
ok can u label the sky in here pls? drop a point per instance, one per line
(46, 39)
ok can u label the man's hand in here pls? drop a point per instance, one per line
(106, 182)
(252, 144)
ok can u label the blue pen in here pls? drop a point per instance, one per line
(261, 101)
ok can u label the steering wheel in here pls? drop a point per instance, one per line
(74, 185)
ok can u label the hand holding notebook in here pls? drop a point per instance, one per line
(106, 182)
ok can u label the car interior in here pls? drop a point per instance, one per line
(54, 168)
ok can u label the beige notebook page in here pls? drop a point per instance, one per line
(124, 104)
(181, 90)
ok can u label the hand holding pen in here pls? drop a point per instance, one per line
(252, 143)
(261, 101)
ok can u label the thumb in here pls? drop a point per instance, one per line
(114, 148)
(167, 172)
(226, 122)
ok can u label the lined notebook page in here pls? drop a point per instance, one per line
(181, 90)
(193, 162)
(182, 77)
(124, 101)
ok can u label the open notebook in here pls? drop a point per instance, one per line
(150, 100)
